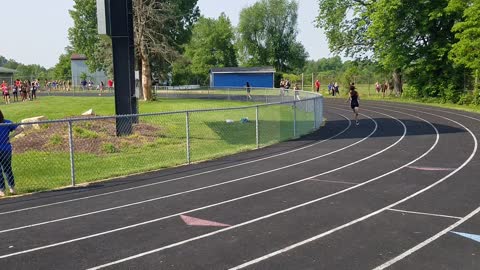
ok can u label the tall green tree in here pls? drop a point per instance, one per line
(467, 50)
(212, 45)
(267, 34)
(84, 35)
(63, 69)
(403, 35)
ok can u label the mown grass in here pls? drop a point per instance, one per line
(371, 94)
(210, 137)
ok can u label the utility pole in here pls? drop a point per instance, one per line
(115, 19)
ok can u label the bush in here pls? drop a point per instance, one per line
(410, 92)
(466, 99)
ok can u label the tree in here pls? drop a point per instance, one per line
(211, 45)
(3, 61)
(84, 34)
(467, 50)
(63, 69)
(160, 26)
(403, 35)
(267, 35)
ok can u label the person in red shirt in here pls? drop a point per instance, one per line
(317, 86)
(110, 84)
(3, 85)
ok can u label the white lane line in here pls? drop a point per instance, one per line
(317, 237)
(334, 182)
(187, 191)
(183, 177)
(422, 213)
(291, 208)
(427, 242)
(220, 203)
(432, 169)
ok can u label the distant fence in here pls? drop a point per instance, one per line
(53, 154)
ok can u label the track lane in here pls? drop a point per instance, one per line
(358, 231)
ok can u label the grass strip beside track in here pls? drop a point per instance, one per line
(210, 137)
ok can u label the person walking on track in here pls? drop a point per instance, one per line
(353, 99)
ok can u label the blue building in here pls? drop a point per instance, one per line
(263, 77)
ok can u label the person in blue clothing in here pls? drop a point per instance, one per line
(6, 155)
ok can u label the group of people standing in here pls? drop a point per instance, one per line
(383, 87)
(26, 89)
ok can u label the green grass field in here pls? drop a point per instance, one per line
(41, 159)
(368, 93)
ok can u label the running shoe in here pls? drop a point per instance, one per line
(12, 191)
(2, 193)
(358, 123)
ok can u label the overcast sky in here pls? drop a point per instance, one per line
(40, 35)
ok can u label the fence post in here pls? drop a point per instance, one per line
(294, 119)
(257, 134)
(315, 126)
(302, 82)
(187, 120)
(72, 157)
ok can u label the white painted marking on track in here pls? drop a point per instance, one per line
(225, 202)
(423, 213)
(427, 242)
(317, 237)
(191, 190)
(334, 182)
(433, 169)
(288, 209)
(183, 177)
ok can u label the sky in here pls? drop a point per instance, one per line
(41, 36)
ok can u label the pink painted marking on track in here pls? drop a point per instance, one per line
(191, 221)
(430, 168)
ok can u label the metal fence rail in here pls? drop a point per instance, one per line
(53, 154)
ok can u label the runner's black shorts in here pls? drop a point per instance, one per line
(354, 105)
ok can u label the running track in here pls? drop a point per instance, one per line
(392, 193)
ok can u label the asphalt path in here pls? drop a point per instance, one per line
(399, 191)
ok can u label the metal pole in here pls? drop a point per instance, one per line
(72, 157)
(302, 81)
(294, 119)
(313, 86)
(257, 133)
(315, 126)
(187, 120)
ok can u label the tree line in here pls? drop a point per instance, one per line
(435, 44)
(425, 48)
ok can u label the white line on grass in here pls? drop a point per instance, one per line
(317, 237)
(183, 177)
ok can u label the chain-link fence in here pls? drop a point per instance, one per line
(52, 154)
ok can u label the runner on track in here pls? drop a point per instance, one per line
(353, 99)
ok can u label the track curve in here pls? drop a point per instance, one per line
(385, 194)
